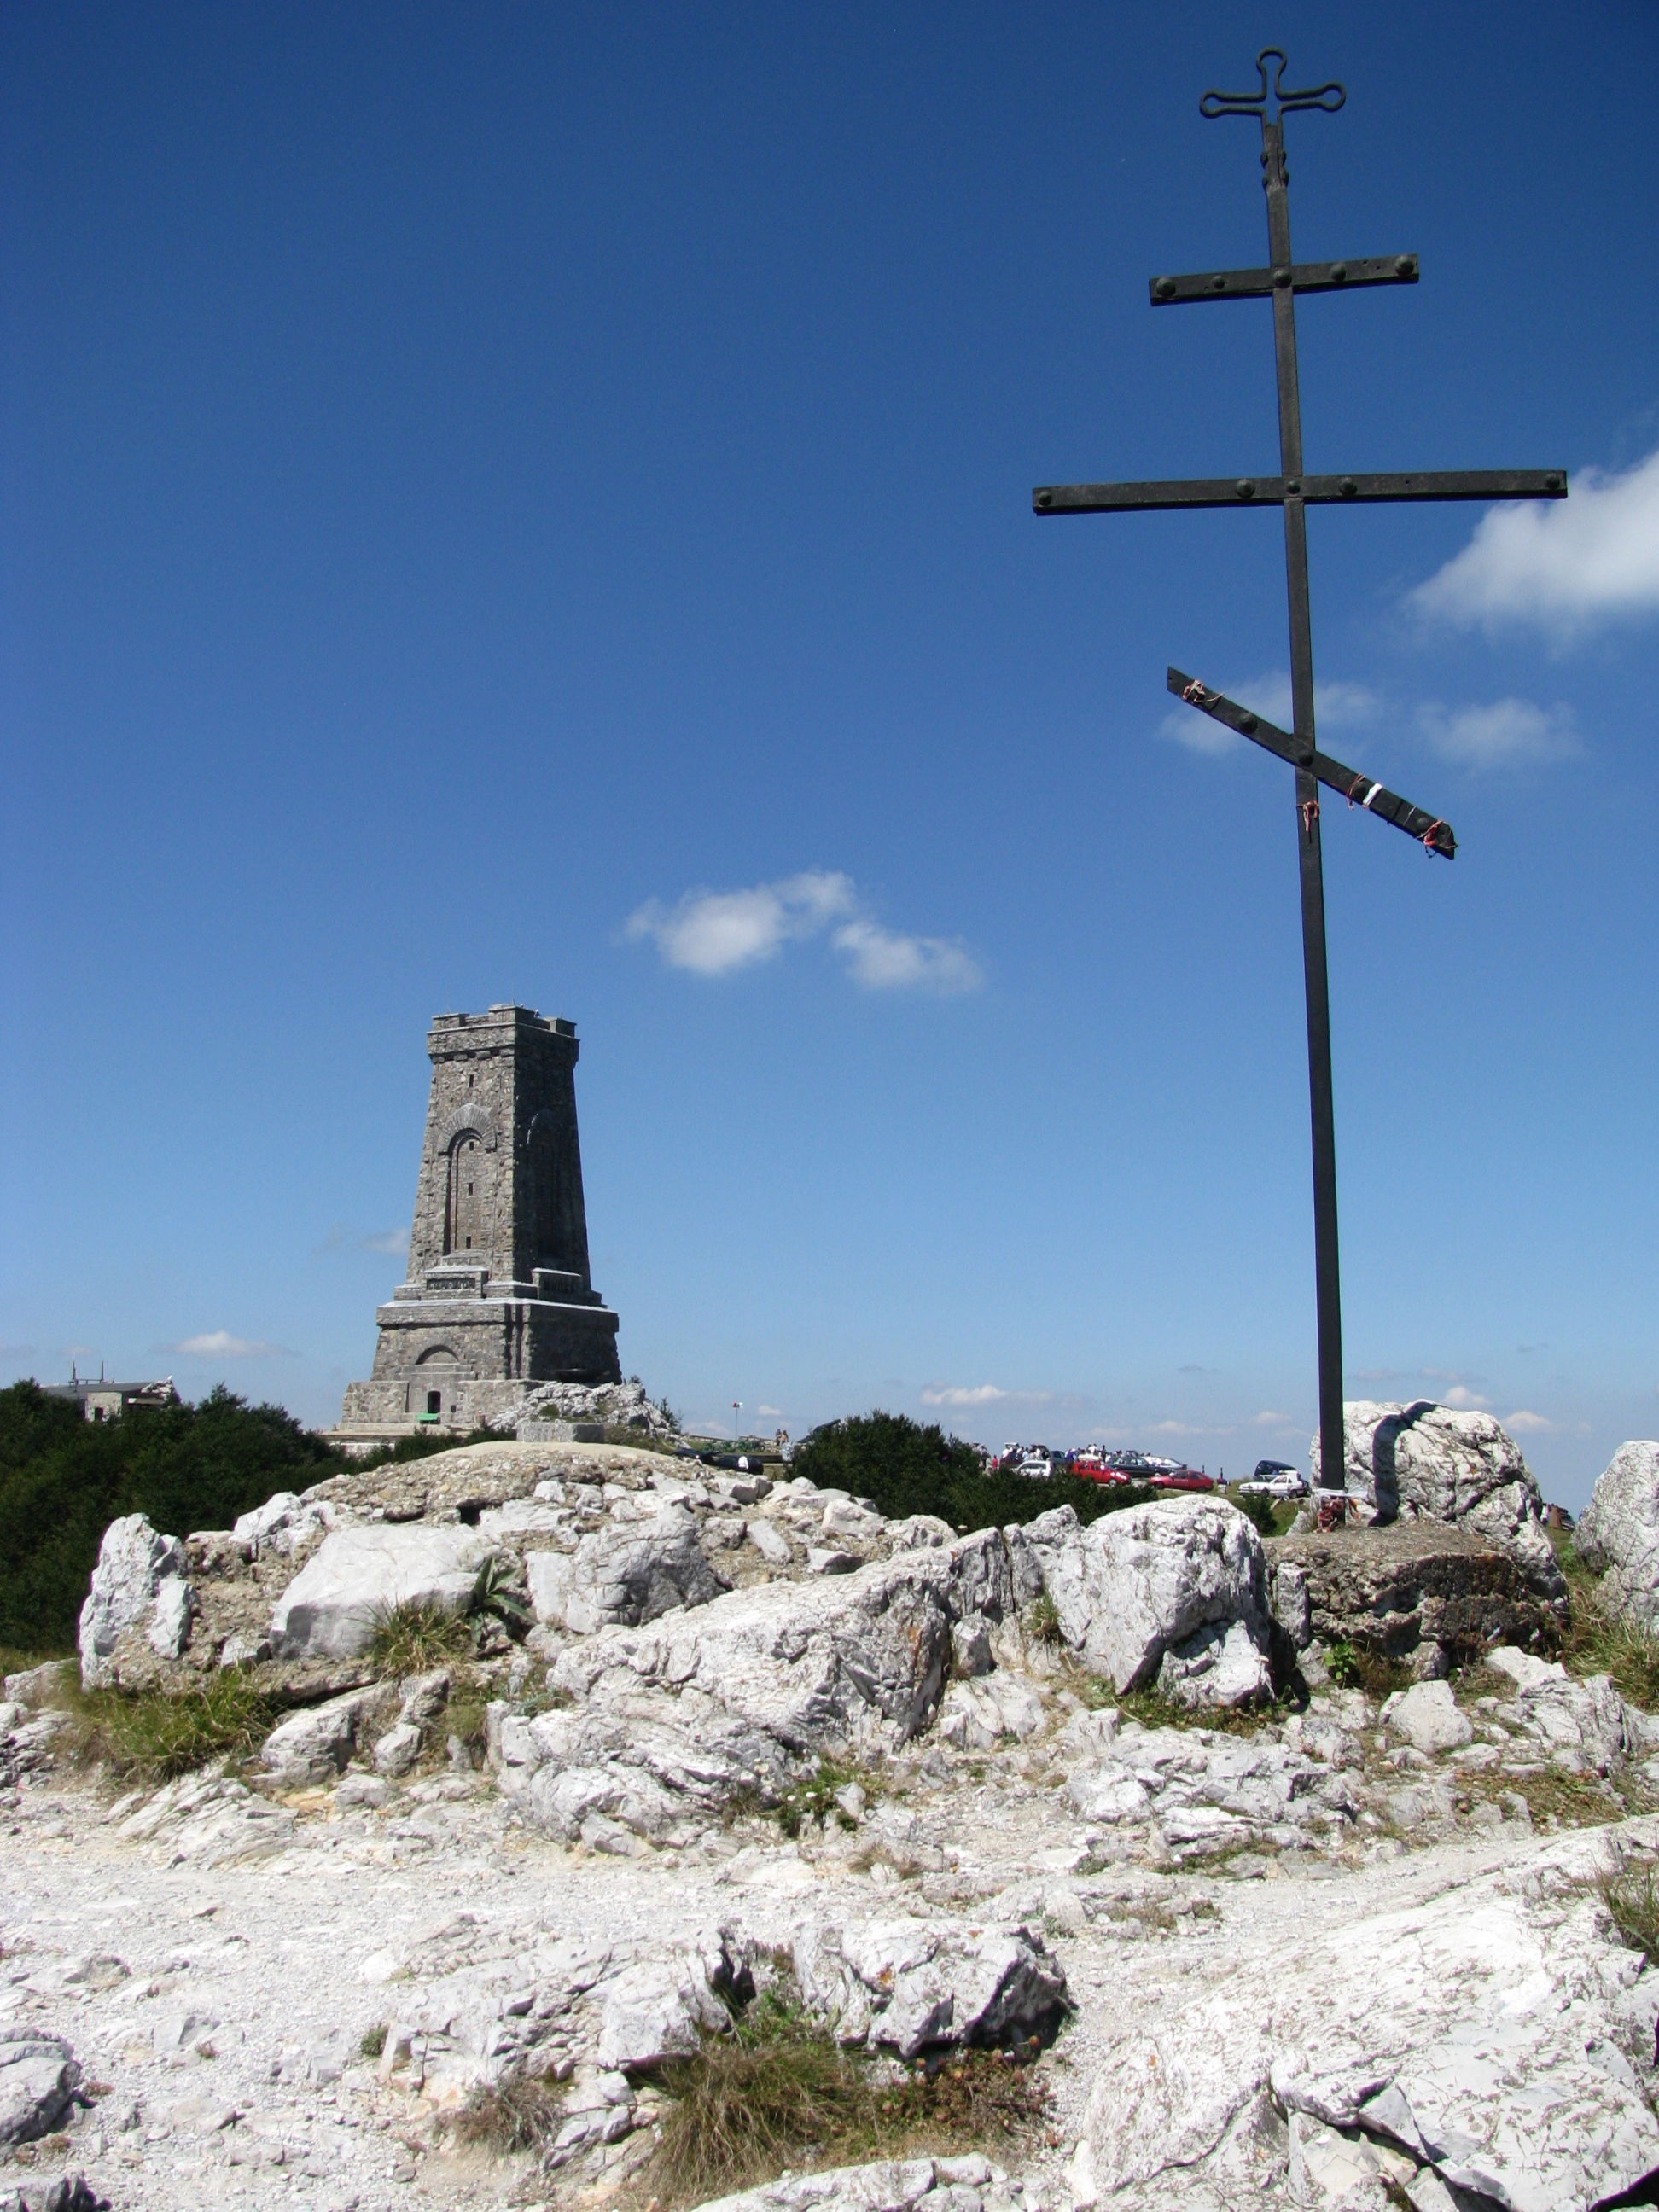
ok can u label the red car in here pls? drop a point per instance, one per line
(1183, 1478)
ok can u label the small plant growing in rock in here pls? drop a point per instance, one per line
(372, 2042)
(1631, 1897)
(414, 1635)
(496, 1596)
(1043, 1621)
(813, 1797)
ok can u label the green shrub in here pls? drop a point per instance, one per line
(521, 2114)
(1260, 1509)
(905, 1467)
(65, 1479)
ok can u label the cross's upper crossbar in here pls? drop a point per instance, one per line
(1429, 829)
(1313, 491)
(1301, 277)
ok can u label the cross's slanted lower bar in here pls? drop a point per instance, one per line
(1294, 492)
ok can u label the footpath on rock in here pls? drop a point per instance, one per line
(1294, 1872)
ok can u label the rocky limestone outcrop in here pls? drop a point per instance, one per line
(1618, 1533)
(356, 1576)
(1476, 2035)
(472, 2008)
(1427, 1594)
(1173, 1593)
(138, 1585)
(1424, 1461)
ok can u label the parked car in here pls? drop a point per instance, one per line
(1274, 1477)
(1183, 1478)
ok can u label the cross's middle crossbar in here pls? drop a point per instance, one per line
(1313, 491)
(1301, 277)
(1429, 829)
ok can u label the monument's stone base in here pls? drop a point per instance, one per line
(536, 1413)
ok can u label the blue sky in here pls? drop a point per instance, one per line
(482, 482)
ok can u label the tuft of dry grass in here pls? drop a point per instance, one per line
(779, 2092)
(1631, 1897)
(1599, 1641)
(414, 1635)
(523, 2114)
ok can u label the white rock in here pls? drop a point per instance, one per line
(976, 1715)
(906, 1984)
(316, 1743)
(1617, 1534)
(258, 1528)
(1223, 1664)
(1523, 1668)
(133, 1562)
(824, 1559)
(396, 1751)
(1424, 1461)
(35, 1686)
(1473, 2031)
(39, 2078)
(660, 2008)
(629, 1573)
(884, 2185)
(329, 1609)
(1427, 1716)
(171, 1616)
(1153, 1579)
(770, 1540)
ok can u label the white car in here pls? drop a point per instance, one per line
(1287, 1483)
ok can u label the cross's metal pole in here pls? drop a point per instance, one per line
(1327, 1293)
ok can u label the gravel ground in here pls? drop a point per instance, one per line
(221, 2011)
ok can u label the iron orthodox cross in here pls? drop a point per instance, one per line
(1294, 492)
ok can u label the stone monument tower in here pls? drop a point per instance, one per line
(498, 1298)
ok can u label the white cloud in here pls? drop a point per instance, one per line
(1462, 1400)
(717, 932)
(712, 932)
(888, 960)
(1590, 558)
(1507, 733)
(1525, 1423)
(1272, 1420)
(1337, 706)
(219, 1343)
(981, 1394)
(770, 1412)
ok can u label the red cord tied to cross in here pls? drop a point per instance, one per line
(1430, 834)
(1195, 695)
(1309, 809)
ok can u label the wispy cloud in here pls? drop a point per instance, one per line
(770, 1412)
(1269, 1419)
(392, 1242)
(1507, 733)
(718, 933)
(1462, 1400)
(1337, 706)
(982, 1394)
(1590, 559)
(219, 1343)
(1524, 1423)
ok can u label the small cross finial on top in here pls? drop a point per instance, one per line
(1330, 97)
